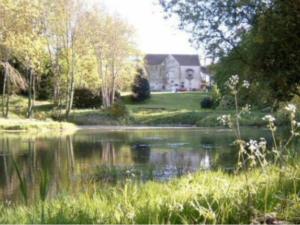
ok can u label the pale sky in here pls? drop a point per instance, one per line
(154, 33)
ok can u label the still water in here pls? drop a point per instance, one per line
(94, 155)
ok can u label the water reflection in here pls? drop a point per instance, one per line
(72, 161)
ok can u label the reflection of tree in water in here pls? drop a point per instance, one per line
(33, 156)
(108, 153)
(140, 153)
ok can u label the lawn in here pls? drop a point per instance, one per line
(171, 101)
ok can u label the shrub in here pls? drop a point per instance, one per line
(118, 109)
(207, 103)
(216, 95)
(85, 98)
(140, 88)
(227, 102)
(44, 87)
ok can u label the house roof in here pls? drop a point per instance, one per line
(155, 59)
(187, 60)
(183, 60)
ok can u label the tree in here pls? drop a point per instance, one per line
(140, 87)
(258, 39)
(10, 28)
(275, 55)
(217, 25)
(112, 41)
(67, 44)
(29, 46)
(270, 53)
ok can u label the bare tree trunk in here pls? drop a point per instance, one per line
(4, 90)
(7, 99)
(112, 86)
(71, 88)
(31, 94)
(6, 86)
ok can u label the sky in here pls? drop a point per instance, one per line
(155, 34)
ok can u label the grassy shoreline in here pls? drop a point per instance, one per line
(32, 125)
(204, 197)
(162, 109)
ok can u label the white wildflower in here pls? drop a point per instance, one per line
(246, 84)
(233, 82)
(252, 145)
(291, 108)
(224, 119)
(269, 118)
(262, 143)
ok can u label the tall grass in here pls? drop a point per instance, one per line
(205, 197)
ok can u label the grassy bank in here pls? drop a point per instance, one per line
(33, 125)
(162, 109)
(206, 197)
(41, 122)
(167, 109)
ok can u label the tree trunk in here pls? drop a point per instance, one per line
(4, 90)
(71, 88)
(31, 94)
(70, 95)
(7, 99)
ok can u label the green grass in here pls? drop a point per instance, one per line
(171, 101)
(205, 197)
(40, 123)
(18, 108)
(94, 117)
(162, 109)
(33, 125)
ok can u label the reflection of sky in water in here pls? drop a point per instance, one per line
(73, 160)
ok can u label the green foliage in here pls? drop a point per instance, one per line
(118, 109)
(275, 54)
(262, 45)
(216, 95)
(85, 98)
(45, 87)
(226, 103)
(209, 21)
(140, 87)
(207, 103)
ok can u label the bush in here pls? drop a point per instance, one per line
(216, 95)
(207, 103)
(85, 98)
(140, 88)
(118, 109)
(227, 102)
(45, 87)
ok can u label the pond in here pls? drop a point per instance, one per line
(72, 162)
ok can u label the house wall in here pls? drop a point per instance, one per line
(169, 75)
(195, 83)
(154, 77)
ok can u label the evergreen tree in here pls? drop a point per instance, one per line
(140, 88)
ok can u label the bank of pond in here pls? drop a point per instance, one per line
(185, 175)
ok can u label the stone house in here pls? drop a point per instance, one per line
(176, 73)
